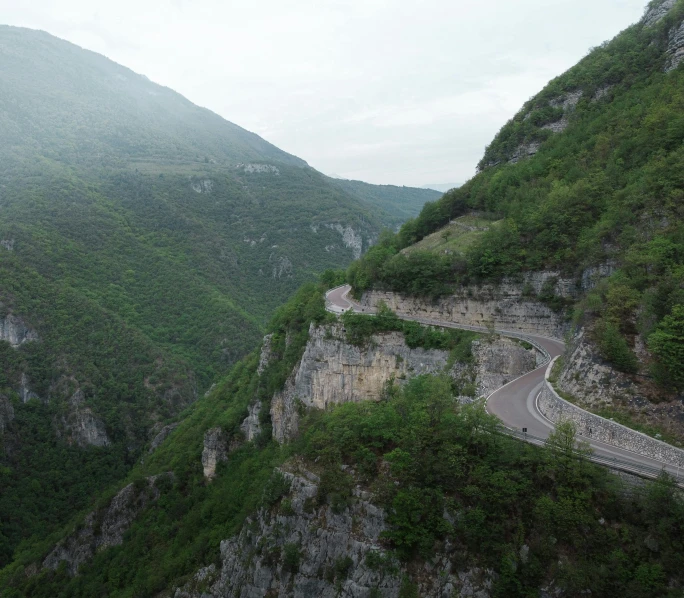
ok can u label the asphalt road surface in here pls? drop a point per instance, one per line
(515, 404)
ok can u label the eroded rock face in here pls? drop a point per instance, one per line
(281, 266)
(25, 392)
(568, 102)
(251, 426)
(266, 354)
(161, 436)
(80, 424)
(15, 331)
(526, 150)
(332, 372)
(215, 450)
(253, 564)
(104, 528)
(351, 239)
(499, 362)
(656, 13)
(203, 186)
(675, 48)
(7, 244)
(259, 169)
(594, 274)
(588, 378)
(506, 306)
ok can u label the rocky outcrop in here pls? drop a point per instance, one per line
(556, 409)
(161, 436)
(657, 12)
(15, 331)
(332, 372)
(81, 426)
(251, 426)
(281, 266)
(595, 384)
(215, 451)
(259, 169)
(25, 392)
(588, 378)
(508, 306)
(567, 102)
(350, 238)
(202, 186)
(105, 527)
(499, 362)
(594, 274)
(675, 48)
(266, 354)
(301, 550)
(6, 413)
(7, 244)
(601, 93)
(525, 150)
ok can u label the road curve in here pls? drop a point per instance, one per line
(515, 404)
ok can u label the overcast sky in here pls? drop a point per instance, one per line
(407, 92)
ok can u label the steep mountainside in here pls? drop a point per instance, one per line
(144, 244)
(585, 181)
(351, 457)
(405, 488)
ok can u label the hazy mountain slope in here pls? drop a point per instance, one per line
(399, 203)
(144, 243)
(77, 106)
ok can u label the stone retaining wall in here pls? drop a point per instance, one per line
(556, 409)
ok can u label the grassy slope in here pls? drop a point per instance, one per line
(456, 237)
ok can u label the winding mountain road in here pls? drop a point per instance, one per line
(515, 403)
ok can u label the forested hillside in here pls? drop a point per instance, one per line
(144, 244)
(162, 274)
(587, 174)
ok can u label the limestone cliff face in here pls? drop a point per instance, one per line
(499, 362)
(332, 372)
(80, 425)
(161, 436)
(106, 527)
(266, 354)
(15, 331)
(587, 377)
(215, 450)
(657, 12)
(25, 392)
(594, 384)
(675, 48)
(253, 564)
(508, 306)
(251, 426)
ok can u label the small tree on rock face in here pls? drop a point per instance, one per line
(667, 344)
